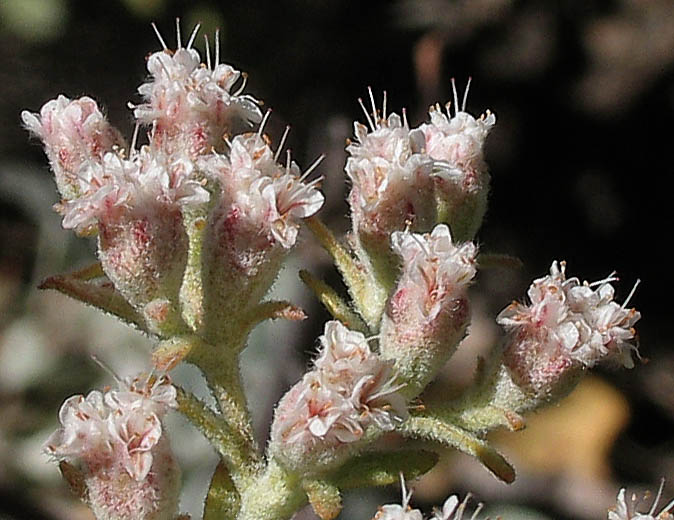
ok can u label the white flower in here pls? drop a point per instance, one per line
(580, 322)
(625, 508)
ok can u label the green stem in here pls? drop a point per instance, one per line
(274, 495)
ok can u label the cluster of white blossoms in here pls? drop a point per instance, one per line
(567, 324)
(349, 389)
(626, 508)
(428, 312)
(116, 441)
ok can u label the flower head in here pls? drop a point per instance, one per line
(116, 440)
(567, 324)
(75, 133)
(190, 104)
(427, 313)
(348, 390)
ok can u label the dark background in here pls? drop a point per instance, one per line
(584, 95)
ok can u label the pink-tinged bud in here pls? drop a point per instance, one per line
(391, 190)
(137, 204)
(568, 326)
(428, 312)
(626, 507)
(116, 441)
(252, 226)
(74, 134)
(456, 144)
(190, 105)
(318, 423)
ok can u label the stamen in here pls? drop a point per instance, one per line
(465, 94)
(374, 106)
(405, 117)
(657, 498)
(208, 52)
(107, 369)
(134, 138)
(161, 40)
(367, 116)
(313, 166)
(282, 143)
(456, 96)
(264, 121)
(178, 40)
(193, 36)
(383, 109)
(217, 47)
(629, 296)
(244, 80)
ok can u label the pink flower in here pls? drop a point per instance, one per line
(427, 313)
(116, 440)
(190, 104)
(75, 133)
(566, 325)
(348, 390)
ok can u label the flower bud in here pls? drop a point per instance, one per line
(190, 105)
(117, 443)
(391, 189)
(428, 312)
(74, 133)
(318, 423)
(253, 224)
(567, 327)
(456, 144)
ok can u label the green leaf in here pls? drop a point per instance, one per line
(222, 501)
(383, 468)
(435, 430)
(333, 302)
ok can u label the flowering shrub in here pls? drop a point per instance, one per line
(192, 230)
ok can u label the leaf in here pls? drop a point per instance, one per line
(222, 501)
(435, 430)
(383, 468)
(324, 497)
(333, 302)
(92, 287)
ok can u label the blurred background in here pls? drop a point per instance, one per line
(583, 92)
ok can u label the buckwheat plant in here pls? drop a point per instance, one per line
(192, 229)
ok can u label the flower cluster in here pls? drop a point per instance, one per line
(190, 105)
(567, 325)
(428, 312)
(349, 389)
(406, 178)
(116, 441)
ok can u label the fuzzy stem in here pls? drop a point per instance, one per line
(274, 495)
(241, 463)
(220, 366)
